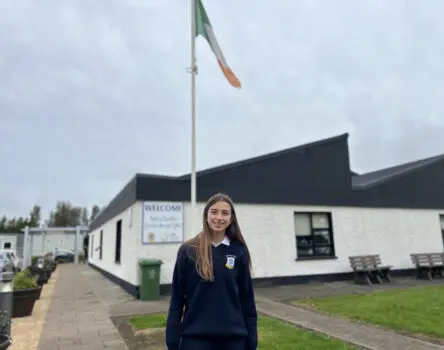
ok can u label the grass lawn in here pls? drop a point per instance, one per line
(272, 333)
(414, 310)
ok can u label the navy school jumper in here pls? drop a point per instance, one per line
(220, 309)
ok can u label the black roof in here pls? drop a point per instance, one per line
(316, 173)
(377, 177)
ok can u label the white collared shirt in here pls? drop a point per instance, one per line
(225, 241)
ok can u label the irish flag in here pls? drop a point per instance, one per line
(204, 28)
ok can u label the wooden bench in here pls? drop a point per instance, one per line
(369, 267)
(428, 264)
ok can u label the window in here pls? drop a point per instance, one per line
(314, 235)
(118, 241)
(441, 219)
(101, 242)
(7, 245)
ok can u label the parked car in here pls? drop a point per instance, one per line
(6, 264)
(63, 255)
(16, 260)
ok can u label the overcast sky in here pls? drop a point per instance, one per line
(92, 92)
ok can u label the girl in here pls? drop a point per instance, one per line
(212, 281)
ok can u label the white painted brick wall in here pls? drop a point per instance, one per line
(269, 231)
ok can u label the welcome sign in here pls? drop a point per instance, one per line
(162, 222)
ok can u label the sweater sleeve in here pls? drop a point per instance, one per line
(246, 295)
(177, 302)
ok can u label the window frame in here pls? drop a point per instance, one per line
(313, 245)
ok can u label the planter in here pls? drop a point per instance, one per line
(39, 292)
(42, 275)
(41, 280)
(23, 301)
(5, 341)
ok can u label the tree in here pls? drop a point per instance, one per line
(13, 225)
(35, 216)
(85, 217)
(94, 212)
(3, 222)
(65, 215)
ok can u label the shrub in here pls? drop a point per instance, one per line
(34, 259)
(24, 280)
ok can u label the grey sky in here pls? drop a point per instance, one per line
(93, 91)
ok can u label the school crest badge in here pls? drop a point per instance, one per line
(230, 262)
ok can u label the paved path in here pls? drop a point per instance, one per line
(78, 317)
(365, 336)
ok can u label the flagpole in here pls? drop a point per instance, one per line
(193, 117)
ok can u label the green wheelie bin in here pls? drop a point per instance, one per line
(150, 279)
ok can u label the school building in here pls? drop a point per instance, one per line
(303, 212)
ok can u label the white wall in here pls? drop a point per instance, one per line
(269, 231)
(392, 233)
(11, 239)
(43, 243)
(130, 246)
(132, 249)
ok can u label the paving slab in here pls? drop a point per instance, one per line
(362, 335)
(138, 307)
(78, 315)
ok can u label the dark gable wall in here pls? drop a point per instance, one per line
(158, 188)
(317, 174)
(422, 189)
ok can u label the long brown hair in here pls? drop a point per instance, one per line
(202, 242)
